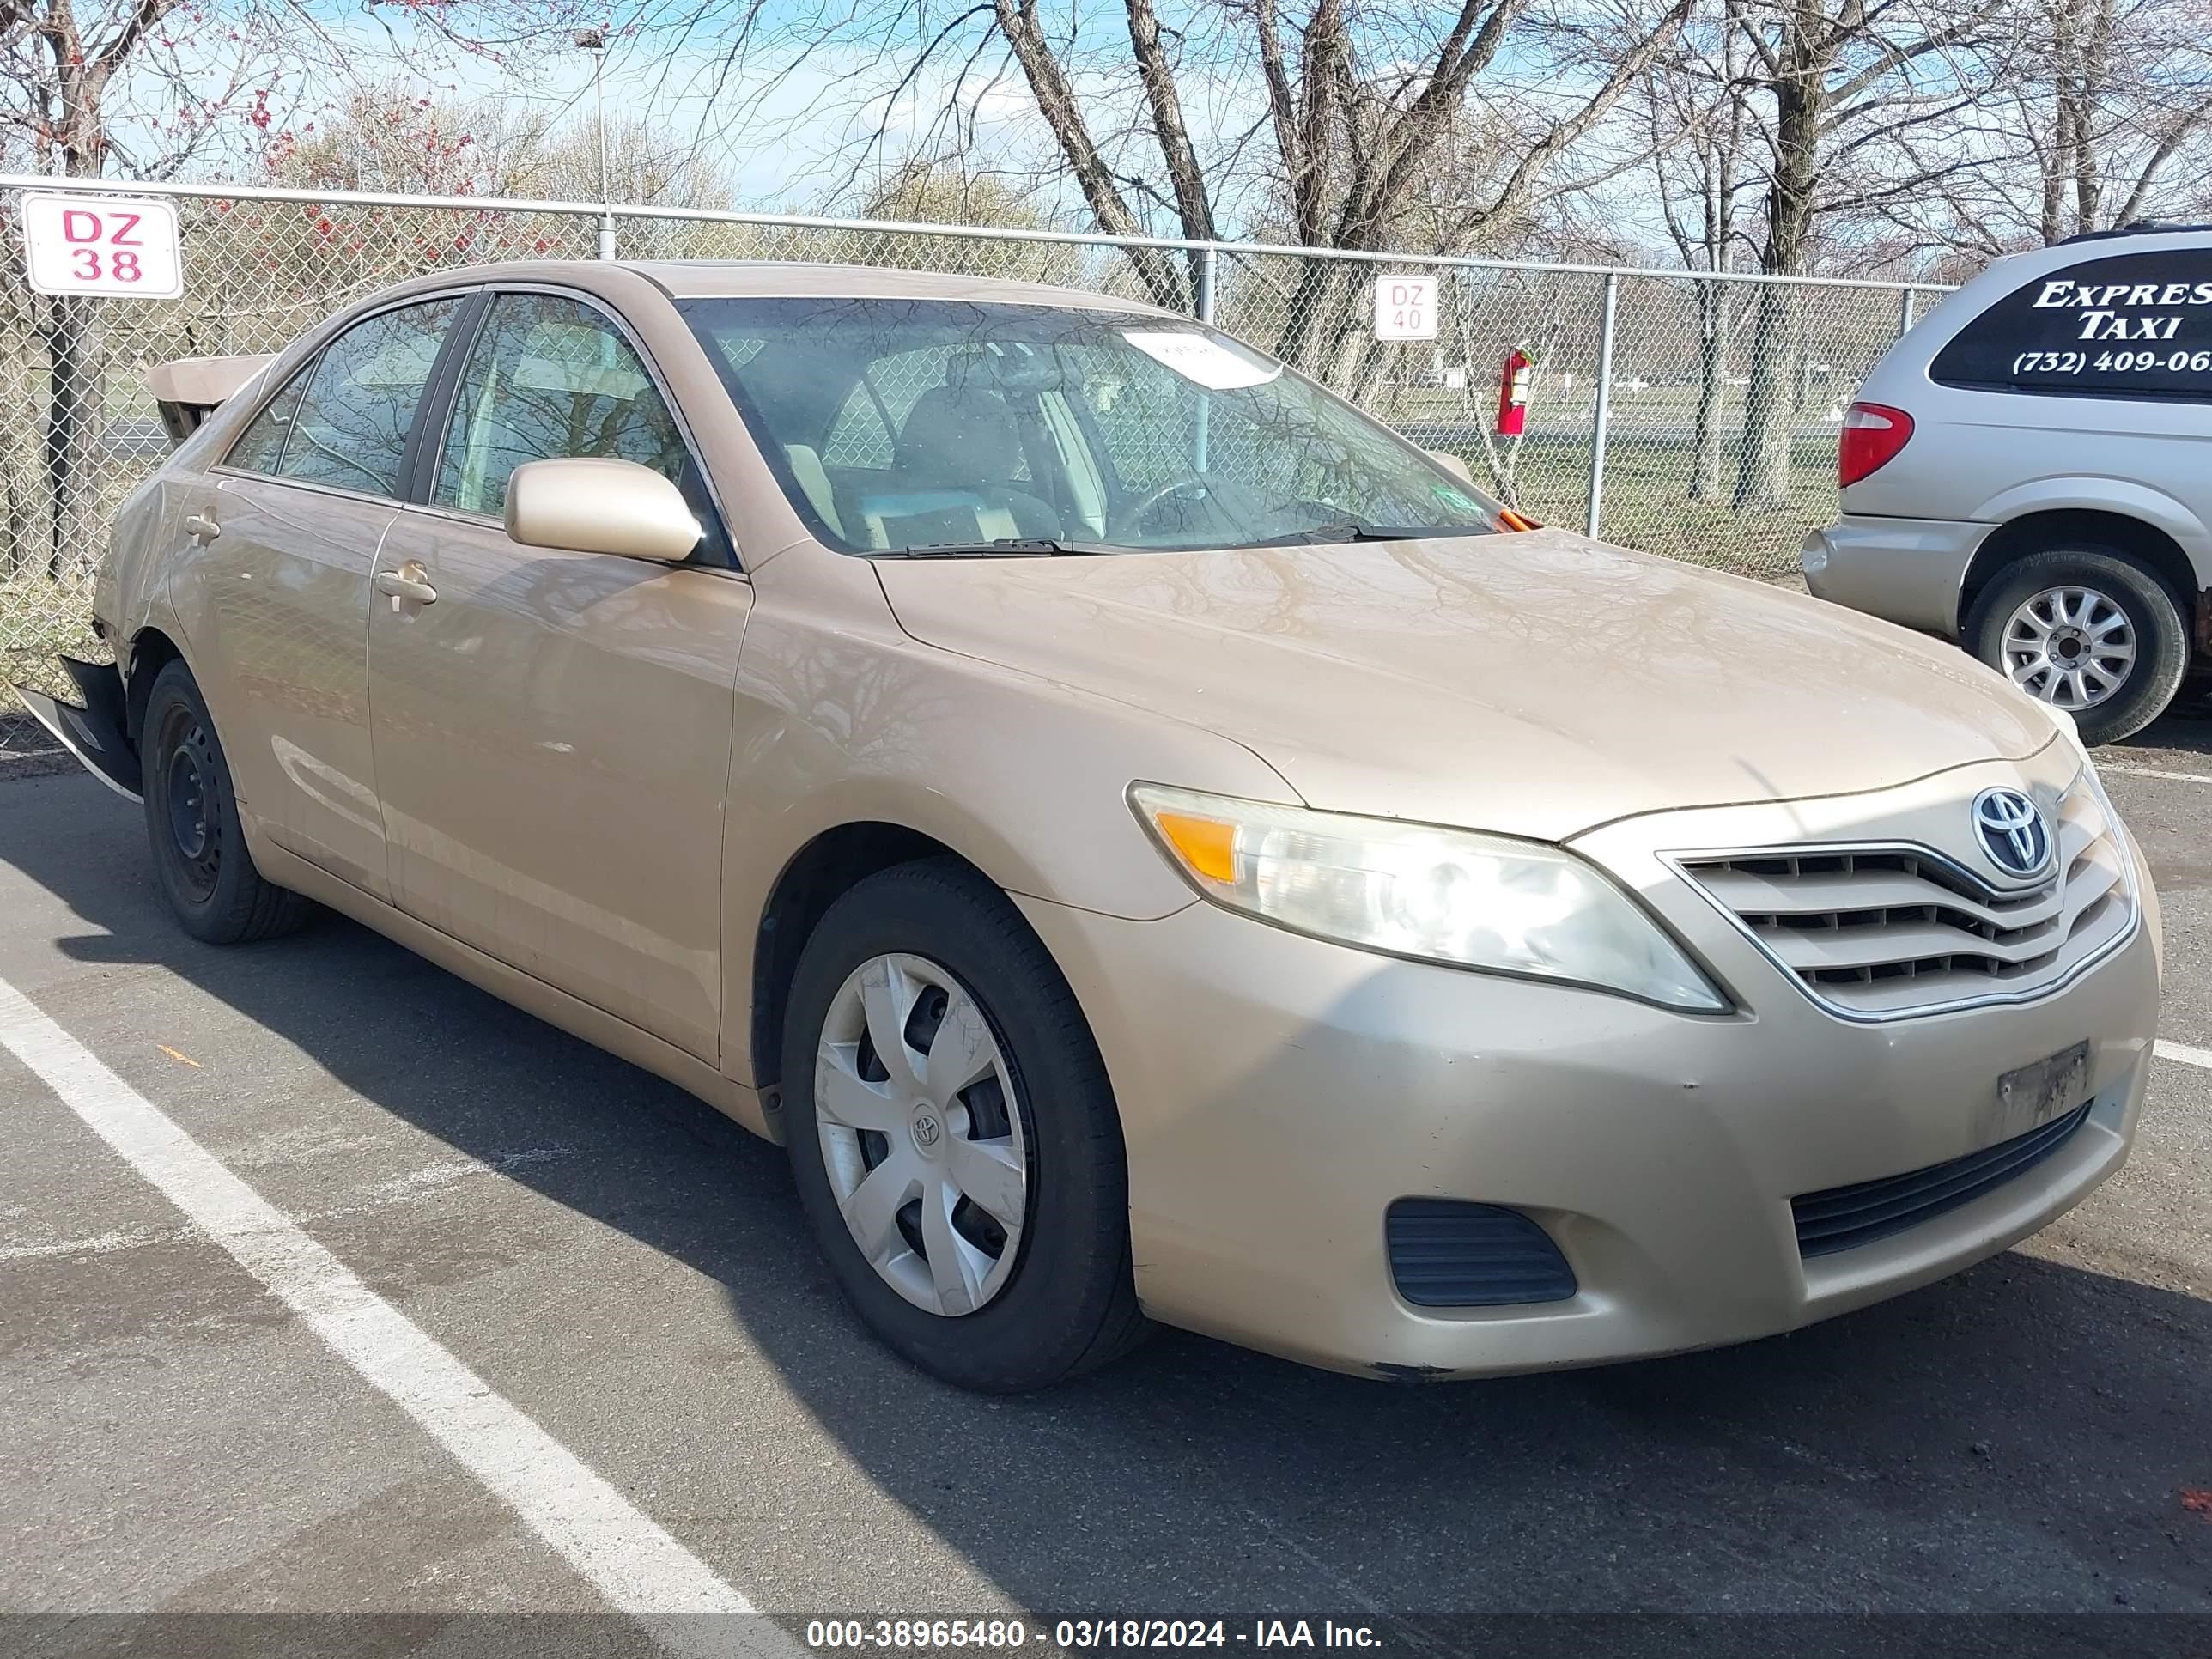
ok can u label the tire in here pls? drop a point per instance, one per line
(1065, 1301)
(2149, 617)
(200, 858)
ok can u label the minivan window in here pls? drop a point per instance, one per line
(949, 427)
(2128, 325)
(350, 430)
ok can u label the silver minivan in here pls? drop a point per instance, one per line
(2028, 472)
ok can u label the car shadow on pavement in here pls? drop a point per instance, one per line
(2013, 1438)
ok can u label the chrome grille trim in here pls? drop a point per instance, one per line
(1875, 931)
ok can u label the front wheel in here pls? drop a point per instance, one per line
(2087, 631)
(191, 823)
(953, 1136)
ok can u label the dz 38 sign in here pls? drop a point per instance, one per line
(101, 244)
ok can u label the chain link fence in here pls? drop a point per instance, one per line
(1711, 438)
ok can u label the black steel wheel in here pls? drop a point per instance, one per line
(200, 857)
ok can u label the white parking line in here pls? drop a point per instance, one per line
(2152, 772)
(2185, 1054)
(632, 1561)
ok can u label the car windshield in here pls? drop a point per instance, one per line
(952, 428)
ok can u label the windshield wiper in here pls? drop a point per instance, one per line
(1003, 547)
(1350, 531)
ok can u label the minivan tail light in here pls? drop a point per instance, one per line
(1873, 434)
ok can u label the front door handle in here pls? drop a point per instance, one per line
(407, 583)
(201, 528)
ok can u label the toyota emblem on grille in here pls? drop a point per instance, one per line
(2012, 831)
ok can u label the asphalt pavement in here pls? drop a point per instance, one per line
(191, 1430)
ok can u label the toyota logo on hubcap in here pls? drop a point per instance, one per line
(925, 1131)
(2012, 831)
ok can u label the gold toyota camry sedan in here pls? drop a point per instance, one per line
(1152, 844)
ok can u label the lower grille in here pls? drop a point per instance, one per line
(1446, 1254)
(1844, 1217)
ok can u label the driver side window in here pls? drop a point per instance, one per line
(547, 378)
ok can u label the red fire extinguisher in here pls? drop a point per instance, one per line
(1513, 394)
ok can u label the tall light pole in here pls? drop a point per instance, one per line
(595, 41)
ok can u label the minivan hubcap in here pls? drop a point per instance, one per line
(921, 1134)
(2073, 647)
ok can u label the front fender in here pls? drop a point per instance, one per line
(843, 719)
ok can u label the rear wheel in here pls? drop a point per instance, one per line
(953, 1137)
(2089, 631)
(191, 823)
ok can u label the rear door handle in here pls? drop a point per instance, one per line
(201, 528)
(406, 583)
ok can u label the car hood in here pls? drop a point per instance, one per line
(1534, 684)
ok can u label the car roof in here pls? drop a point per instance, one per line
(693, 279)
(2140, 228)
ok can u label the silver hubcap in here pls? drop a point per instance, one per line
(920, 1134)
(2069, 646)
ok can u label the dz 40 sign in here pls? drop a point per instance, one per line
(1405, 307)
(101, 244)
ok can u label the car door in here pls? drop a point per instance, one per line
(552, 730)
(274, 592)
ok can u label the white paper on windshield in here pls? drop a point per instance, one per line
(1207, 362)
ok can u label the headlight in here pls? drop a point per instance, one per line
(1444, 896)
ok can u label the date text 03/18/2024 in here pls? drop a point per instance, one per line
(1083, 1635)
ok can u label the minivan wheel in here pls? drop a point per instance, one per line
(2089, 630)
(953, 1136)
(200, 859)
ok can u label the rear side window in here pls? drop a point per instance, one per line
(2129, 325)
(260, 448)
(351, 428)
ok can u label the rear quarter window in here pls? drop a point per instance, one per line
(2127, 326)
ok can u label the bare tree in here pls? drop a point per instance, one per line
(1338, 119)
(386, 137)
(1702, 164)
(141, 89)
(2107, 120)
(61, 63)
(1862, 101)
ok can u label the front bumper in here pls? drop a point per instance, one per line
(1904, 570)
(1277, 1093)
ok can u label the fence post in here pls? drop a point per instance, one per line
(607, 235)
(1202, 446)
(1604, 406)
(1905, 313)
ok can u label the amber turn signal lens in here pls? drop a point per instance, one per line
(1207, 845)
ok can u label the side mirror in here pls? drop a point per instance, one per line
(1455, 465)
(593, 506)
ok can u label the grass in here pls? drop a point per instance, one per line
(40, 620)
(1647, 502)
